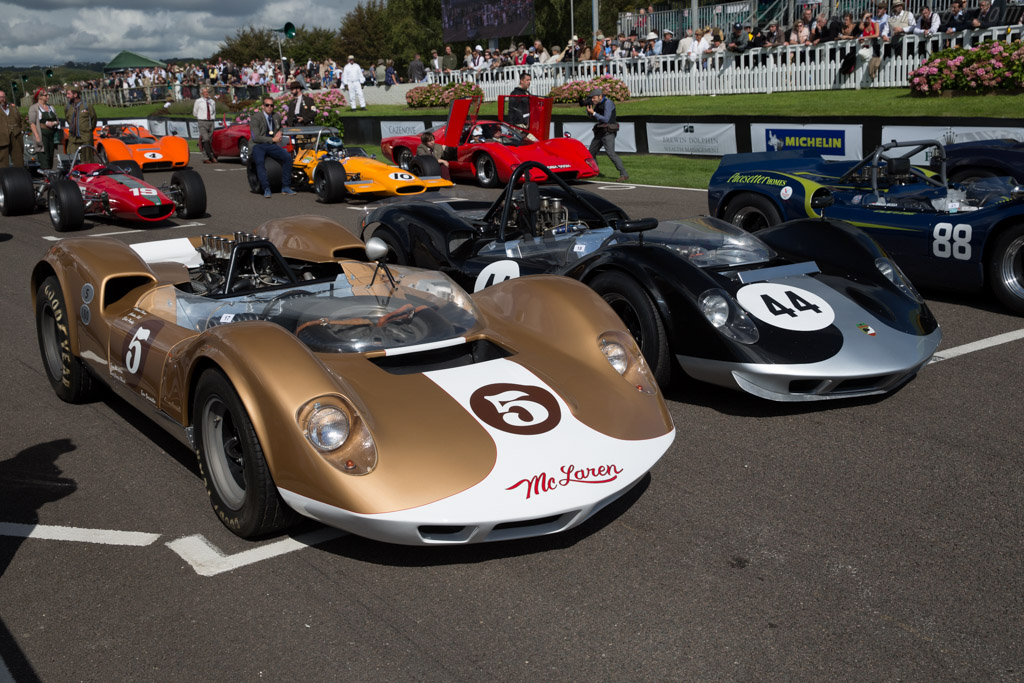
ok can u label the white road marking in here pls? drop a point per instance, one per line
(228, 170)
(208, 560)
(981, 344)
(55, 238)
(630, 186)
(70, 533)
(5, 674)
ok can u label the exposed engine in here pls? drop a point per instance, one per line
(240, 264)
(552, 218)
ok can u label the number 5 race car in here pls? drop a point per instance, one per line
(810, 310)
(385, 401)
(75, 190)
(953, 236)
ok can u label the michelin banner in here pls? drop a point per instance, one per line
(830, 140)
(625, 140)
(711, 139)
(948, 135)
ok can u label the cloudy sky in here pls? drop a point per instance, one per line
(46, 32)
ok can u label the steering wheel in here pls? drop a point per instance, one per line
(279, 299)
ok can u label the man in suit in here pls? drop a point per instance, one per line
(300, 109)
(11, 151)
(265, 134)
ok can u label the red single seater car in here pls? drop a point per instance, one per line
(489, 150)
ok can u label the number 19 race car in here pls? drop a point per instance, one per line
(810, 310)
(75, 190)
(945, 235)
(385, 401)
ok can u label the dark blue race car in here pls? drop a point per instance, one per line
(962, 236)
(984, 159)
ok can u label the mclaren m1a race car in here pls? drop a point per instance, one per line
(335, 172)
(962, 236)
(116, 190)
(487, 151)
(385, 401)
(810, 310)
(117, 142)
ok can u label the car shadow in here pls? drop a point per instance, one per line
(4, 236)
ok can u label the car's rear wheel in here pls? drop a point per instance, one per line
(189, 193)
(486, 170)
(425, 165)
(403, 155)
(752, 212)
(66, 206)
(128, 167)
(329, 182)
(1005, 268)
(243, 152)
(67, 374)
(231, 462)
(17, 196)
(632, 304)
(968, 174)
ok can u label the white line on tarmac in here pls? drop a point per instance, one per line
(603, 185)
(981, 344)
(209, 560)
(70, 533)
(54, 238)
(5, 675)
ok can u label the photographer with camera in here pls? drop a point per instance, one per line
(602, 110)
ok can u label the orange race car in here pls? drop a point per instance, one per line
(121, 142)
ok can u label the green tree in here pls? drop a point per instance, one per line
(364, 33)
(247, 44)
(415, 26)
(316, 43)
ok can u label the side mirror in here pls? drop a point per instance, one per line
(376, 249)
(566, 134)
(822, 200)
(531, 196)
(639, 225)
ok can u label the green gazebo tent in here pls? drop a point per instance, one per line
(130, 60)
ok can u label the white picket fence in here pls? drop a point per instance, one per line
(782, 69)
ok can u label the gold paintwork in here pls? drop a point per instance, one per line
(429, 447)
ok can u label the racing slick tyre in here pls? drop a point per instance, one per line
(396, 253)
(329, 182)
(486, 171)
(68, 375)
(1005, 268)
(189, 193)
(243, 152)
(273, 175)
(128, 167)
(101, 154)
(67, 209)
(632, 304)
(968, 174)
(425, 165)
(752, 212)
(402, 158)
(231, 462)
(17, 196)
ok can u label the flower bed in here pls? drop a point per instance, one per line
(570, 93)
(988, 67)
(328, 105)
(435, 95)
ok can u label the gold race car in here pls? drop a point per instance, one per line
(313, 379)
(323, 164)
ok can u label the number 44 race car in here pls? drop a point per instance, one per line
(75, 190)
(385, 401)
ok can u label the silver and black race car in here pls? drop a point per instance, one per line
(807, 310)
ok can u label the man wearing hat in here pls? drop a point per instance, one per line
(352, 79)
(668, 43)
(901, 21)
(300, 110)
(739, 39)
(602, 110)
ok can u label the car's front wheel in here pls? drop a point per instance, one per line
(67, 209)
(329, 182)
(1005, 268)
(67, 374)
(231, 461)
(403, 156)
(633, 305)
(243, 152)
(486, 171)
(17, 196)
(189, 193)
(752, 212)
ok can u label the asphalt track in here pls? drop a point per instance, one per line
(859, 540)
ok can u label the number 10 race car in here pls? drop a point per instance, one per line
(385, 401)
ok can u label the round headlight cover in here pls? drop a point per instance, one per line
(894, 275)
(327, 428)
(616, 355)
(715, 307)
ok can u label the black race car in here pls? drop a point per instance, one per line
(983, 159)
(807, 310)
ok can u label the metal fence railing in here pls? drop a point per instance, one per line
(127, 97)
(758, 70)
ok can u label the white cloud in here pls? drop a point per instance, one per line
(50, 32)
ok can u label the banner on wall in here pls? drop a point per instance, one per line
(625, 140)
(948, 135)
(392, 128)
(711, 139)
(832, 141)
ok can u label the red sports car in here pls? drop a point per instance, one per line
(489, 150)
(115, 190)
(233, 141)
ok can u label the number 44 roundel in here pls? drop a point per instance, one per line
(790, 308)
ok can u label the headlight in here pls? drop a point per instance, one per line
(894, 275)
(722, 311)
(338, 434)
(622, 353)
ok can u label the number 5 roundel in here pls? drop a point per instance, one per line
(790, 308)
(516, 408)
